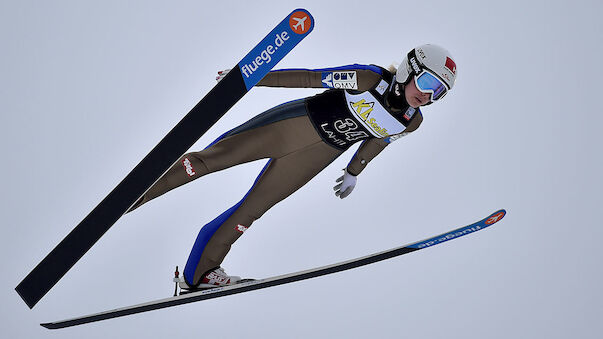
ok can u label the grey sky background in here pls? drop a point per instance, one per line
(88, 88)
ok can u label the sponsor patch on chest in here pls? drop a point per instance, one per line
(363, 111)
(370, 113)
(382, 87)
(410, 112)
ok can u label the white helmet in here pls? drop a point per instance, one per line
(428, 57)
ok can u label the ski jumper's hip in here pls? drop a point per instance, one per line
(279, 131)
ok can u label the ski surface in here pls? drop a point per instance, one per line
(243, 76)
(282, 279)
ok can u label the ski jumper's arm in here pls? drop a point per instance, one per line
(370, 148)
(368, 76)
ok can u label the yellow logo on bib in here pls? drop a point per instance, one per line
(358, 107)
(363, 109)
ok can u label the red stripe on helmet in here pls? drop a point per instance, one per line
(450, 65)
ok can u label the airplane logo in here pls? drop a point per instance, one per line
(300, 22)
(493, 219)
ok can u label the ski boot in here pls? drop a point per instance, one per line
(214, 278)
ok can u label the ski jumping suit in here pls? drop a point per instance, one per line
(300, 138)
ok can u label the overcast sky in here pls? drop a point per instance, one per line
(87, 89)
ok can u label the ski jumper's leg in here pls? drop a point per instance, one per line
(259, 138)
(280, 178)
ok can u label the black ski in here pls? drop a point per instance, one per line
(252, 68)
(279, 280)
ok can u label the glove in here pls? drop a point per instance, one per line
(346, 185)
(222, 74)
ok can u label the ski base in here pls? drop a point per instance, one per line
(279, 280)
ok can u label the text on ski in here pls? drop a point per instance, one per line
(265, 55)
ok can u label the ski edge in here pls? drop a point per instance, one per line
(282, 279)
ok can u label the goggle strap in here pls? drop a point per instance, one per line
(416, 69)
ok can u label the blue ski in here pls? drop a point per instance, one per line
(282, 279)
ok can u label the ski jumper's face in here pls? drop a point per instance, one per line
(414, 97)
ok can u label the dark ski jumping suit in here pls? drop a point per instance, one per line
(300, 138)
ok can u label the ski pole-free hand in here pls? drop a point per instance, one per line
(346, 184)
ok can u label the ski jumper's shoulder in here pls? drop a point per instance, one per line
(356, 77)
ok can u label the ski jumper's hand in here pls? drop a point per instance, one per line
(222, 74)
(346, 184)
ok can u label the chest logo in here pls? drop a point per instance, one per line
(363, 110)
(410, 112)
(382, 87)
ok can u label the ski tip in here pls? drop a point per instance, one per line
(495, 217)
(301, 22)
(274, 47)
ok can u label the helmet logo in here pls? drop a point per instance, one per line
(421, 53)
(450, 65)
(415, 65)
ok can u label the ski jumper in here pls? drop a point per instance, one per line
(300, 139)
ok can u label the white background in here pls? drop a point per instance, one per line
(87, 89)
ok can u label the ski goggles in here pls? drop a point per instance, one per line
(427, 82)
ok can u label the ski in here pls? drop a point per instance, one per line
(243, 76)
(279, 280)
